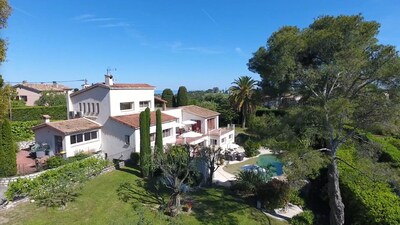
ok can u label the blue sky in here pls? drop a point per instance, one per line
(198, 44)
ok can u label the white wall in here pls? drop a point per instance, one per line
(228, 140)
(114, 140)
(31, 95)
(175, 113)
(96, 95)
(85, 146)
(46, 135)
(135, 96)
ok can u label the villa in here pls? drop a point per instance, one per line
(104, 117)
(31, 92)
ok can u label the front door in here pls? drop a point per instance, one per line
(58, 144)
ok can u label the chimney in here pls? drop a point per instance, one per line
(24, 82)
(85, 85)
(55, 84)
(46, 118)
(109, 80)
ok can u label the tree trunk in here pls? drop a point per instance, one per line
(335, 198)
(176, 200)
(210, 178)
(243, 119)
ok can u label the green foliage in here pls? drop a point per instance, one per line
(135, 158)
(36, 113)
(168, 96)
(8, 161)
(296, 199)
(51, 99)
(251, 148)
(248, 181)
(274, 194)
(182, 97)
(368, 201)
(18, 104)
(22, 130)
(159, 147)
(244, 96)
(56, 187)
(389, 148)
(145, 150)
(54, 162)
(304, 218)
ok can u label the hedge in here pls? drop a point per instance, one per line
(36, 113)
(366, 201)
(22, 130)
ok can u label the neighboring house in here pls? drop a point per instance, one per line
(111, 111)
(30, 92)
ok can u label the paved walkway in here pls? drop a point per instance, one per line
(223, 178)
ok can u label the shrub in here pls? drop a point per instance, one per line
(251, 148)
(296, 199)
(8, 163)
(274, 194)
(248, 181)
(54, 162)
(304, 218)
(135, 157)
(59, 186)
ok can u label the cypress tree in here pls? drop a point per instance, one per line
(8, 157)
(159, 138)
(168, 96)
(181, 97)
(143, 152)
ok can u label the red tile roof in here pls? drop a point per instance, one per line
(116, 87)
(71, 126)
(133, 119)
(43, 87)
(199, 111)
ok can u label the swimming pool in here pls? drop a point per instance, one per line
(265, 160)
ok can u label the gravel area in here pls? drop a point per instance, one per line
(2, 190)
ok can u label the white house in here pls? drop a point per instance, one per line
(105, 117)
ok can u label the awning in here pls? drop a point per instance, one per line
(189, 122)
(191, 134)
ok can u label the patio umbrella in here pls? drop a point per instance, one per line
(189, 122)
(233, 146)
(191, 134)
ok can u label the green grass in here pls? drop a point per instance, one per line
(235, 168)
(99, 204)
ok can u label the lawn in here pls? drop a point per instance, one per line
(99, 204)
(234, 168)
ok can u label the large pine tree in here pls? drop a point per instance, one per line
(8, 161)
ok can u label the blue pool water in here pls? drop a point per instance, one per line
(265, 160)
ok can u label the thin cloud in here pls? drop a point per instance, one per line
(83, 17)
(240, 52)
(22, 11)
(209, 16)
(179, 47)
(118, 24)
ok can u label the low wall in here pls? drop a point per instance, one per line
(5, 181)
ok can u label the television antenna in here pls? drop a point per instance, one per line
(109, 70)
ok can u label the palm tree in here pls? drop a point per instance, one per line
(243, 96)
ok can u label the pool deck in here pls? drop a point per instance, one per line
(223, 178)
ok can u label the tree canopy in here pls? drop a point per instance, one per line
(51, 99)
(345, 78)
(168, 96)
(182, 97)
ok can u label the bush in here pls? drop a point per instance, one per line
(8, 162)
(251, 148)
(248, 181)
(296, 199)
(57, 187)
(54, 162)
(304, 218)
(274, 194)
(36, 113)
(22, 130)
(135, 158)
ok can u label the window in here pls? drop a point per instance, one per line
(211, 124)
(93, 109)
(84, 108)
(144, 104)
(80, 107)
(127, 140)
(223, 140)
(166, 133)
(153, 137)
(22, 98)
(126, 105)
(77, 138)
(88, 107)
(213, 142)
(98, 107)
(230, 136)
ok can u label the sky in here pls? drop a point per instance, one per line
(197, 44)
